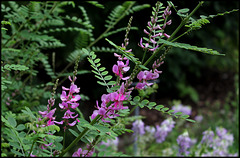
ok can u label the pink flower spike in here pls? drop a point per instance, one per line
(77, 120)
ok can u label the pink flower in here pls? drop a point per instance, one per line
(121, 68)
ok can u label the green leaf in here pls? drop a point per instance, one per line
(111, 83)
(143, 67)
(12, 121)
(178, 113)
(184, 116)
(109, 77)
(73, 132)
(190, 120)
(104, 73)
(136, 99)
(164, 109)
(102, 69)
(96, 60)
(16, 152)
(20, 127)
(159, 107)
(189, 47)
(151, 105)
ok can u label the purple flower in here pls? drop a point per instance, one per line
(181, 108)
(121, 68)
(144, 76)
(69, 101)
(208, 137)
(138, 127)
(83, 153)
(184, 143)
(163, 130)
(111, 142)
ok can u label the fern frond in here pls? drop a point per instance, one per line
(75, 54)
(138, 8)
(190, 47)
(118, 13)
(96, 4)
(45, 45)
(82, 40)
(65, 29)
(48, 68)
(52, 22)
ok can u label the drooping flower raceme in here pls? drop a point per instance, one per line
(217, 144)
(163, 130)
(184, 142)
(69, 101)
(138, 127)
(121, 68)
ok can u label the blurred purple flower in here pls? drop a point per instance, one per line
(181, 108)
(184, 142)
(138, 127)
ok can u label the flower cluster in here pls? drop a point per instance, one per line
(219, 143)
(138, 127)
(83, 153)
(145, 76)
(154, 29)
(69, 101)
(115, 101)
(182, 108)
(163, 130)
(121, 68)
(184, 142)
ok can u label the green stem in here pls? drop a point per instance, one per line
(175, 32)
(32, 147)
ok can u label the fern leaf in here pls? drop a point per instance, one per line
(82, 40)
(190, 47)
(96, 4)
(48, 68)
(118, 13)
(76, 53)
